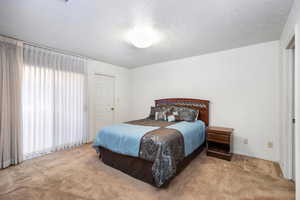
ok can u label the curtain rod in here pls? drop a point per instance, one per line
(69, 53)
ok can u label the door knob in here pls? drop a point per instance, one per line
(112, 109)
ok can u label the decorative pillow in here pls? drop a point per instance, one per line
(164, 108)
(161, 116)
(152, 113)
(168, 112)
(185, 114)
(176, 115)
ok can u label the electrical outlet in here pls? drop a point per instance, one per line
(245, 141)
(270, 145)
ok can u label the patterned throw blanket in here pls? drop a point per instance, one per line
(163, 146)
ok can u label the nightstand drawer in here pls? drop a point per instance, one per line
(218, 138)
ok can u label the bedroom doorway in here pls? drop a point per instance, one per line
(104, 100)
(291, 61)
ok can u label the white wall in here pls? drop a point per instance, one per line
(242, 85)
(122, 90)
(291, 28)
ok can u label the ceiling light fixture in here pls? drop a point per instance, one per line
(143, 36)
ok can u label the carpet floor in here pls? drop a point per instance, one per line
(79, 174)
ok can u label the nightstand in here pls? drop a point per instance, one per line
(219, 140)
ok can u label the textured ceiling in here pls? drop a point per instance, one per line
(98, 28)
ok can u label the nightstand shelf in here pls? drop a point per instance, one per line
(219, 140)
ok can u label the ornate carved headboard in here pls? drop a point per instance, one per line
(199, 104)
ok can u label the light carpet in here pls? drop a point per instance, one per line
(79, 174)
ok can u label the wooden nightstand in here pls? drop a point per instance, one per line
(219, 140)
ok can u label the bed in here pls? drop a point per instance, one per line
(151, 150)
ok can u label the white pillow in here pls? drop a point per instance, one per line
(171, 118)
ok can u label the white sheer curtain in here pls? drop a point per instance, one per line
(54, 101)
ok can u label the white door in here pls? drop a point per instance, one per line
(104, 101)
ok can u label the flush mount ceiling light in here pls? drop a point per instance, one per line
(143, 36)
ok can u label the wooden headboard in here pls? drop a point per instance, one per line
(199, 104)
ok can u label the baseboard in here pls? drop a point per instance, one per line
(254, 156)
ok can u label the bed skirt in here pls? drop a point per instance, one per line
(139, 168)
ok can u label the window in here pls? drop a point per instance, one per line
(54, 102)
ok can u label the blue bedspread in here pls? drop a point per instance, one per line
(122, 138)
(126, 138)
(193, 134)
